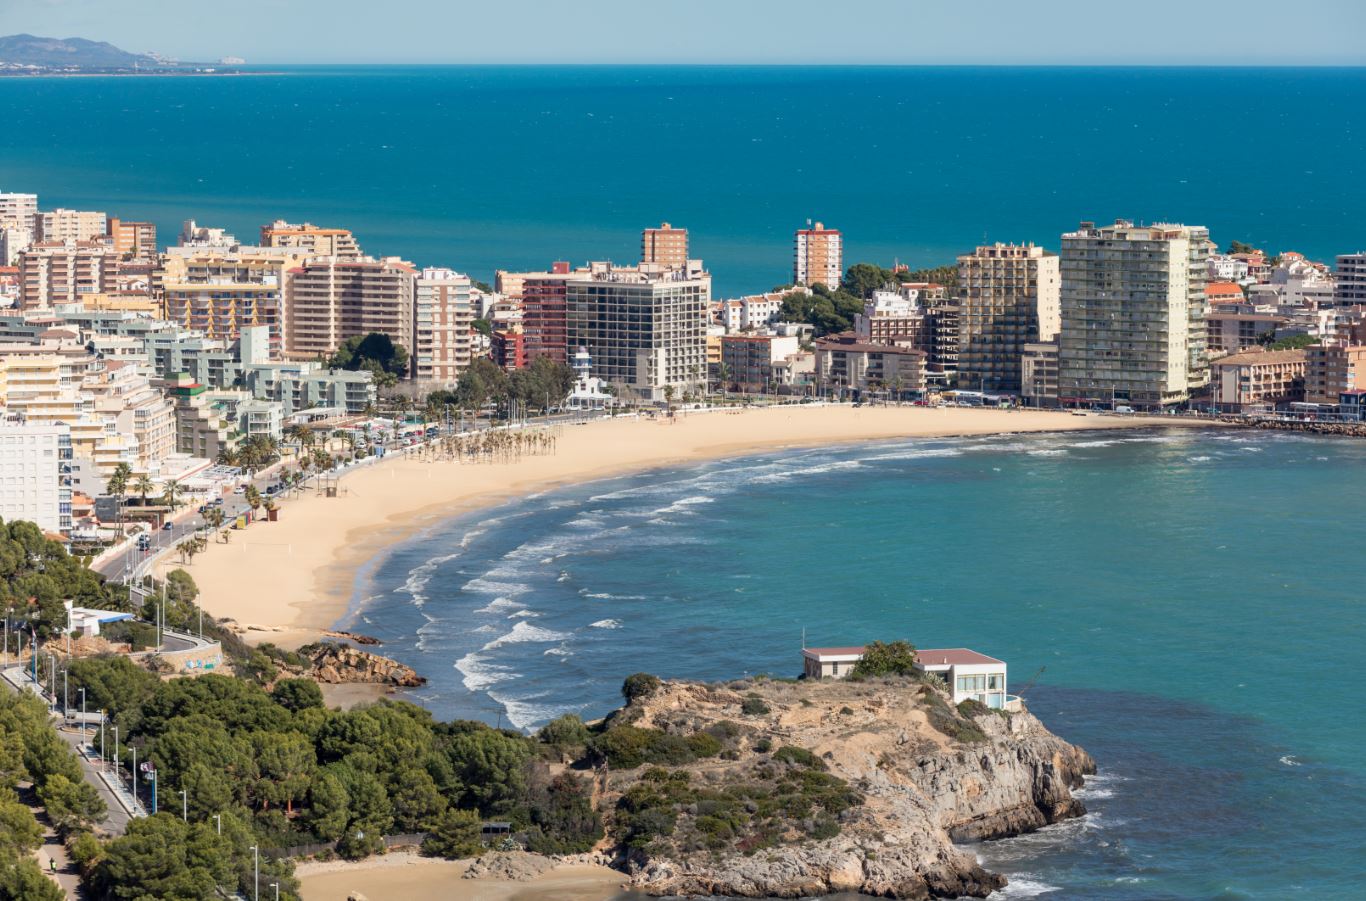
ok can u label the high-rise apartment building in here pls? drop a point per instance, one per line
(65, 271)
(1008, 296)
(443, 320)
(542, 300)
(326, 242)
(221, 292)
(135, 240)
(69, 225)
(665, 245)
(645, 327)
(35, 484)
(819, 257)
(1350, 284)
(1133, 314)
(1332, 369)
(330, 299)
(18, 210)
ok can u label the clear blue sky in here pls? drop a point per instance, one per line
(1152, 32)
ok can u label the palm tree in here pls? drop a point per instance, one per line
(171, 496)
(118, 485)
(143, 486)
(669, 399)
(253, 499)
(213, 518)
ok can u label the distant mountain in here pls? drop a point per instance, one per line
(28, 50)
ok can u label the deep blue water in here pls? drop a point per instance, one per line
(1193, 601)
(487, 167)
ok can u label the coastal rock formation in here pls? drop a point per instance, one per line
(927, 775)
(337, 663)
(516, 866)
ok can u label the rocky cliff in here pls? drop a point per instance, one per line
(336, 663)
(910, 774)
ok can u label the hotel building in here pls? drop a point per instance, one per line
(1133, 314)
(1331, 369)
(221, 292)
(665, 245)
(819, 257)
(844, 362)
(645, 326)
(443, 320)
(133, 240)
(750, 361)
(1008, 296)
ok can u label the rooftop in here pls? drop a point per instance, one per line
(924, 656)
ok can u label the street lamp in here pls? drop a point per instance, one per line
(82, 691)
(256, 864)
(276, 886)
(218, 820)
(184, 806)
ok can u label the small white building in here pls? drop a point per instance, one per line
(968, 675)
(87, 621)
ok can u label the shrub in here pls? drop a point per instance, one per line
(564, 731)
(640, 685)
(704, 745)
(763, 745)
(896, 658)
(972, 708)
(798, 757)
(753, 705)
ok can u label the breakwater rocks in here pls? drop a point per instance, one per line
(1344, 429)
(338, 663)
(874, 782)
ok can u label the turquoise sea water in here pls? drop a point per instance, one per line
(1190, 603)
(487, 167)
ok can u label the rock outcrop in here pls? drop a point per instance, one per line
(337, 663)
(516, 866)
(927, 775)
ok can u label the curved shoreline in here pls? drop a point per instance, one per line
(294, 578)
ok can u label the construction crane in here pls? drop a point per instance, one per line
(1032, 679)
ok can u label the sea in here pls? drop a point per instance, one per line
(487, 167)
(1185, 605)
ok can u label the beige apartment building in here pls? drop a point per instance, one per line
(1133, 314)
(665, 245)
(443, 322)
(134, 240)
(645, 326)
(68, 225)
(18, 210)
(1331, 369)
(1231, 333)
(221, 292)
(310, 238)
(844, 362)
(328, 300)
(1009, 295)
(65, 271)
(1039, 374)
(818, 257)
(1258, 378)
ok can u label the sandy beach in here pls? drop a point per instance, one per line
(406, 876)
(288, 580)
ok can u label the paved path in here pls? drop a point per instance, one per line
(66, 876)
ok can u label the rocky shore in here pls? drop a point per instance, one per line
(927, 776)
(1344, 429)
(335, 664)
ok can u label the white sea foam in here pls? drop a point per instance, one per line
(479, 674)
(522, 613)
(562, 577)
(497, 605)
(1023, 885)
(484, 629)
(524, 632)
(1289, 760)
(606, 624)
(482, 585)
(1201, 459)
(818, 469)
(608, 596)
(1098, 442)
(682, 505)
(558, 651)
(1048, 452)
(918, 454)
(530, 711)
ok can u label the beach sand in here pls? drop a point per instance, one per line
(399, 877)
(288, 580)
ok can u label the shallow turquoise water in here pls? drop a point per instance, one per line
(1193, 602)
(486, 167)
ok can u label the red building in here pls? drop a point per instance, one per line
(508, 349)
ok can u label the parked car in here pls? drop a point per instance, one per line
(168, 526)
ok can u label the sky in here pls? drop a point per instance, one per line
(883, 32)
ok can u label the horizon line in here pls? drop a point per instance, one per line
(542, 64)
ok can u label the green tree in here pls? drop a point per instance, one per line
(329, 806)
(456, 834)
(562, 816)
(862, 279)
(297, 694)
(417, 801)
(20, 833)
(895, 658)
(23, 880)
(71, 805)
(161, 857)
(376, 352)
(639, 685)
(564, 731)
(489, 768)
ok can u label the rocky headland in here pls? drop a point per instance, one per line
(797, 789)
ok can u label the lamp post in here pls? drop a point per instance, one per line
(82, 691)
(116, 751)
(184, 806)
(256, 866)
(66, 692)
(218, 821)
(101, 738)
(276, 886)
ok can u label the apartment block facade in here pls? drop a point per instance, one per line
(311, 239)
(665, 245)
(1133, 314)
(135, 240)
(328, 300)
(1332, 369)
(1350, 281)
(645, 327)
(35, 482)
(69, 225)
(818, 257)
(443, 320)
(1009, 295)
(60, 272)
(843, 362)
(1258, 378)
